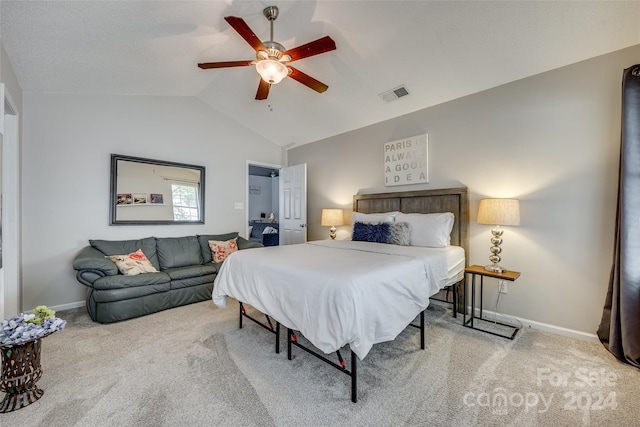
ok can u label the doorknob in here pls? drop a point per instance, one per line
(303, 225)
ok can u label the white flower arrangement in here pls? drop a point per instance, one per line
(24, 327)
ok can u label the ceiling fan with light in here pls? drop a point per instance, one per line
(272, 59)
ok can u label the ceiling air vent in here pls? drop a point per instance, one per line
(393, 94)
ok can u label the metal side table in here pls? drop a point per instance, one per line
(478, 270)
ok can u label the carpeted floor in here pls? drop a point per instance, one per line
(192, 366)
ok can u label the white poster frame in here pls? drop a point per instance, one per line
(406, 161)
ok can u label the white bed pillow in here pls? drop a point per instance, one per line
(429, 230)
(372, 218)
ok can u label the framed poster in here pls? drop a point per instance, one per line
(156, 199)
(406, 161)
(124, 199)
(139, 199)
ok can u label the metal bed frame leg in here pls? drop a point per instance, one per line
(456, 297)
(354, 377)
(422, 330)
(353, 373)
(455, 300)
(242, 312)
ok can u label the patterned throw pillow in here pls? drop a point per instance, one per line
(221, 250)
(365, 232)
(400, 233)
(133, 263)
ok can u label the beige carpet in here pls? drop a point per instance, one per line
(193, 366)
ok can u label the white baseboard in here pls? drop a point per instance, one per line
(526, 323)
(558, 330)
(64, 306)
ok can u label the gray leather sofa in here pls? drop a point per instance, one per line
(185, 275)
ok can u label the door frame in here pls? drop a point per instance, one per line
(10, 272)
(246, 189)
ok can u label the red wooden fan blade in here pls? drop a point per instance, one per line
(307, 80)
(319, 46)
(207, 65)
(263, 90)
(243, 29)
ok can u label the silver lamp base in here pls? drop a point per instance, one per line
(495, 268)
(496, 240)
(332, 232)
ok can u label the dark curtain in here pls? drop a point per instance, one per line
(619, 329)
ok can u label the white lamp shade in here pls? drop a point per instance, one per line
(332, 217)
(499, 212)
(271, 71)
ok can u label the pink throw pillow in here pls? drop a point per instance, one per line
(220, 250)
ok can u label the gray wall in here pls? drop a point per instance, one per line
(266, 201)
(67, 144)
(551, 140)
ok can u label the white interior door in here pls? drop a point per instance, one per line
(293, 204)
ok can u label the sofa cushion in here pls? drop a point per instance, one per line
(122, 309)
(178, 252)
(119, 247)
(192, 271)
(247, 244)
(193, 282)
(191, 294)
(140, 281)
(203, 239)
(110, 295)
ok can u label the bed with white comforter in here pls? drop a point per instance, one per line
(338, 292)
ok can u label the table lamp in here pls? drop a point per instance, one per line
(332, 217)
(498, 212)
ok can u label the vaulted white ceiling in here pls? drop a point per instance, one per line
(439, 50)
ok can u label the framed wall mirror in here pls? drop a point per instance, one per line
(153, 192)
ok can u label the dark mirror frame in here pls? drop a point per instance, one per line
(115, 158)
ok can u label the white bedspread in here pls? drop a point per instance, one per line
(337, 292)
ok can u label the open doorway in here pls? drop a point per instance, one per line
(263, 181)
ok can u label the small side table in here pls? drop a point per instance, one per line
(477, 270)
(21, 369)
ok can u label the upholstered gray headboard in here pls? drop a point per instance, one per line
(453, 200)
